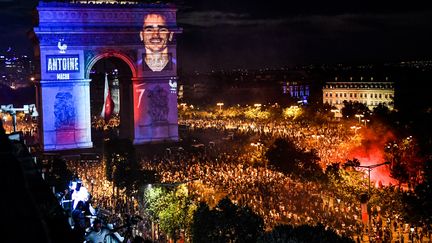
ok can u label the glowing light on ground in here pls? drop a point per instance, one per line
(371, 152)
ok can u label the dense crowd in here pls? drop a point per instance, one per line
(273, 196)
(331, 140)
(226, 166)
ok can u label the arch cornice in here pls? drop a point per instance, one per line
(98, 55)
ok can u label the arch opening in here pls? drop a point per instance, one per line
(116, 118)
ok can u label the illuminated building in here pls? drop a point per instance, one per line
(371, 93)
(71, 38)
(15, 70)
(296, 89)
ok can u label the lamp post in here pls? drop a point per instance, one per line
(365, 121)
(369, 169)
(359, 117)
(220, 104)
(355, 128)
(27, 109)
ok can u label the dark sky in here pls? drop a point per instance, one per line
(270, 33)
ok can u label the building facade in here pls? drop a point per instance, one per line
(297, 89)
(71, 38)
(371, 93)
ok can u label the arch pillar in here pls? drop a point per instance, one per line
(66, 114)
(155, 110)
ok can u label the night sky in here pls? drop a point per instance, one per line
(257, 34)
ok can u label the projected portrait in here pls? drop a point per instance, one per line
(155, 35)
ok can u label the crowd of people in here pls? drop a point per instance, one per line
(98, 207)
(273, 196)
(331, 140)
(225, 166)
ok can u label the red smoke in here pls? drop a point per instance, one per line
(371, 151)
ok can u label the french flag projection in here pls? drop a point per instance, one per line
(108, 106)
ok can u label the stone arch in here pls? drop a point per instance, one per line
(112, 53)
(68, 41)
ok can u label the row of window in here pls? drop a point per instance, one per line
(361, 95)
(298, 94)
(361, 86)
(372, 103)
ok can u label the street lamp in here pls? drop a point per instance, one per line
(355, 128)
(336, 113)
(369, 169)
(257, 105)
(220, 104)
(359, 117)
(27, 109)
(365, 121)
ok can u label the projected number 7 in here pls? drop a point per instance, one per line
(141, 92)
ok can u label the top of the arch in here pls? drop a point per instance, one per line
(106, 3)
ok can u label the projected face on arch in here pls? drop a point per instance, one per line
(155, 36)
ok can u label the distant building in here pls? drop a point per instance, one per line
(296, 89)
(371, 93)
(15, 70)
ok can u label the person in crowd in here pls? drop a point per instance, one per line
(97, 233)
(79, 220)
(80, 193)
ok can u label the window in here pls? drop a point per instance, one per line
(380, 96)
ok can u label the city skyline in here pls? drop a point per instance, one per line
(256, 35)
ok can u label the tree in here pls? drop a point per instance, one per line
(381, 112)
(173, 209)
(122, 165)
(346, 182)
(227, 222)
(418, 205)
(350, 109)
(286, 157)
(405, 160)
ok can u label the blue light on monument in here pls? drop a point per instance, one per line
(70, 39)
